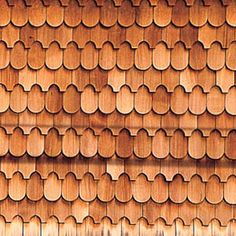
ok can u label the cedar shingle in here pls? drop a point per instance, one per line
(215, 145)
(188, 79)
(35, 143)
(160, 144)
(126, 14)
(71, 59)
(141, 189)
(5, 186)
(169, 122)
(162, 13)
(196, 190)
(107, 57)
(198, 13)
(133, 211)
(224, 213)
(143, 57)
(73, 14)
(229, 188)
(214, 190)
(89, 100)
(179, 56)
(133, 122)
(179, 101)
(62, 78)
(124, 144)
(70, 188)
(178, 140)
(197, 101)
(216, 13)
(161, 57)
(230, 14)
(4, 142)
(215, 101)
(36, 56)
(98, 122)
(19, 14)
(5, 99)
(106, 144)
(109, 14)
(230, 101)
(116, 35)
(161, 100)
(54, 56)
(196, 145)
(106, 106)
(141, 98)
(142, 144)
(88, 188)
(53, 99)
(5, 59)
(125, 100)
(189, 35)
(215, 57)
(138, 75)
(224, 123)
(229, 145)
(17, 143)
(197, 57)
(98, 78)
(188, 123)
(52, 187)
(89, 57)
(61, 122)
(180, 9)
(35, 101)
(151, 122)
(90, 13)
(105, 187)
(159, 191)
(144, 14)
(27, 121)
(178, 189)
(152, 35)
(143, 101)
(71, 100)
(18, 193)
(54, 14)
(37, 13)
(32, 192)
(63, 35)
(18, 56)
(88, 143)
(5, 13)
(53, 143)
(70, 143)
(225, 79)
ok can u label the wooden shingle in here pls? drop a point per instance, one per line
(117, 117)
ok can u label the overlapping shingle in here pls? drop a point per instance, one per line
(117, 117)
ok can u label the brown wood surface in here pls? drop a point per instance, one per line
(117, 117)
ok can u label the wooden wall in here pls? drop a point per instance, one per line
(117, 117)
